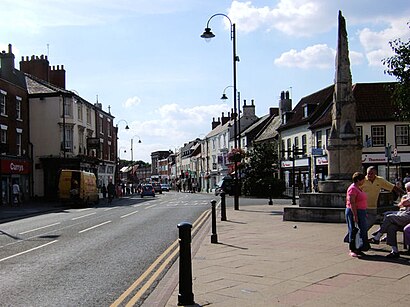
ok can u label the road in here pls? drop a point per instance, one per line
(91, 256)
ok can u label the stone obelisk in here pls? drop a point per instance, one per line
(344, 150)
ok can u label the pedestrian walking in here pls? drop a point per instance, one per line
(16, 193)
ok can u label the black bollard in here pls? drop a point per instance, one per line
(214, 236)
(185, 295)
(223, 207)
(270, 195)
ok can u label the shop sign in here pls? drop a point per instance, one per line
(298, 163)
(317, 151)
(321, 161)
(93, 143)
(15, 167)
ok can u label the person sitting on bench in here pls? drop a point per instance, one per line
(394, 222)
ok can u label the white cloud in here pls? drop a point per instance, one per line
(319, 56)
(293, 17)
(376, 43)
(132, 102)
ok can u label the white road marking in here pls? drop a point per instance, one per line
(110, 208)
(95, 226)
(125, 215)
(32, 230)
(150, 206)
(27, 251)
(80, 217)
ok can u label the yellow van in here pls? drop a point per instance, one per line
(78, 187)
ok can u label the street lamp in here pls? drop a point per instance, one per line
(207, 35)
(139, 141)
(126, 124)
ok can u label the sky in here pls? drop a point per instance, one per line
(148, 65)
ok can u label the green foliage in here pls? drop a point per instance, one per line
(399, 66)
(259, 180)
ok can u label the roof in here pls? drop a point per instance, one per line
(255, 125)
(319, 100)
(373, 103)
(270, 131)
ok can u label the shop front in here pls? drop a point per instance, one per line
(14, 171)
(296, 173)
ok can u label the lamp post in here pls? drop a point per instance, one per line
(132, 149)
(119, 161)
(126, 124)
(207, 35)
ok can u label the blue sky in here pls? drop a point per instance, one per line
(146, 60)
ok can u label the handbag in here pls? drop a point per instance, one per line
(356, 243)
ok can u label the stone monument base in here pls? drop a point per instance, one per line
(328, 207)
(334, 186)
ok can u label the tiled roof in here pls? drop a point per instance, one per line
(38, 86)
(373, 103)
(319, 100)
(270, 131)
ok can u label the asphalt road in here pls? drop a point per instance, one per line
(90, 256)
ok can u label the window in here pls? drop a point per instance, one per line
(18, 107)
(67, 106)
(402, 135)
(109, 127)
(81, 147)
(100, 124)
(304, 144)
(3, 135)
(296, 140)
(305, 111)
(18, 143)
(378, 136)
(80, 111)
(319, 139)
(3, 109)
(88, 116)
(289, 147)
(68, 146)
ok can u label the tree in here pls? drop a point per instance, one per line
(398, 65)
(258, 171)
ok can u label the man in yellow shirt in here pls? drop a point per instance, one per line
(372, 186)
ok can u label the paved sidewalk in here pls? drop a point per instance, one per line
(261, 260)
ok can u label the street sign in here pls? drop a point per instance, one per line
(317, 151)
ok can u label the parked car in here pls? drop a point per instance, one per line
(157, 187)
(147, 190)
(225, 185)
(165, 187)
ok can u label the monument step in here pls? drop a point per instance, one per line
(327, 200)
(314, 214)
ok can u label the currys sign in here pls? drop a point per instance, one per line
(15, 167)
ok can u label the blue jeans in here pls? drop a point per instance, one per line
(362, 224)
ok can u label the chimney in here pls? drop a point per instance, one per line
(7, 63)
(38, 67)
(248, 110)
(273, 111)
(57, 76)
(285, 103)
(215, 123)
(225, 119)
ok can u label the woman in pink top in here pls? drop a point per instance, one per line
(356, 204)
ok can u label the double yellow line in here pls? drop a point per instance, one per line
(157, 267)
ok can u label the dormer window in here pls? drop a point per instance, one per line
(308, 109)
(305, 111)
